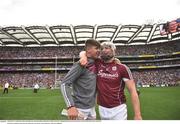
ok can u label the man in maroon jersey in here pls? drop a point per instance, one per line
(111, 81)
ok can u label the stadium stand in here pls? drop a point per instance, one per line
(42, 54)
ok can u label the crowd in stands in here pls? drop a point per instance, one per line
(70, 51)
(143, 77)
(27, 80)
(154, 64)
(169, 77)
(23, 52)
(161, 48)
(61, 66)
(31, 67)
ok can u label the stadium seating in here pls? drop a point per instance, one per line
(150, 64)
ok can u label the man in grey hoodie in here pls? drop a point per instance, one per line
(79, 85)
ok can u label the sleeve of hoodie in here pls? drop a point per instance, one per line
(67, 82)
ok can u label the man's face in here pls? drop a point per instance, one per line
(93, 51)
(107, 53)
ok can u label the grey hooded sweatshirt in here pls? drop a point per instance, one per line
(79, 86)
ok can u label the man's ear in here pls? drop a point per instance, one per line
(114, 52)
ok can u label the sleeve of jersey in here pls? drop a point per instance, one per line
(66, 84)
(126, 73)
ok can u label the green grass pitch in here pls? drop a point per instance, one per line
(156, 104)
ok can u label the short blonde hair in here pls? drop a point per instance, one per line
(109, 44)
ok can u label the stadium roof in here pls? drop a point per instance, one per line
(62, 35)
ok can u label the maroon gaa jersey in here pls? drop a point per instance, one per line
(110, 83)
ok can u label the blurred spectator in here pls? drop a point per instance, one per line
(6, 86)
(36, 88)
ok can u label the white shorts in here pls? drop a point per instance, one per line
(87, 114)
(115, 113)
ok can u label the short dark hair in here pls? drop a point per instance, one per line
(92, 42)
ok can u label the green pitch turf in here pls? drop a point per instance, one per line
(156, 104)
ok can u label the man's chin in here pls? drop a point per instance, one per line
(95, 57)
(106, 58)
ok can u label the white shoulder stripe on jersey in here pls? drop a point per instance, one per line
(129, 72)
(125, 79)
(65, 95)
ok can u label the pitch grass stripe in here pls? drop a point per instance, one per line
(20, 97)
(156, 104)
